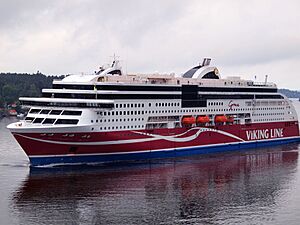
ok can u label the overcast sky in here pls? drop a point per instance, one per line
(244, 38)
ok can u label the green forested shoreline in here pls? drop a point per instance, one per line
(14, 85)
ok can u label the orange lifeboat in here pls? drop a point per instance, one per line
(188, 120)
(202, 119)
(220, 119)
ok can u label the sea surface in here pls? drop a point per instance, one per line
(257, 186)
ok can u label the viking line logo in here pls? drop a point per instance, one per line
(231, 104)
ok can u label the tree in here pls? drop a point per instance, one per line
(10, 93)
(1, 102)
(33, 91)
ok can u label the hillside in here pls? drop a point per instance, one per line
(290, 93)
(14, 85)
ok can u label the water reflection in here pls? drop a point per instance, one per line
(219, 189)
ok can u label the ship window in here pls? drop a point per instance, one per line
(34, 110)
(66, 121)
(55, 112)
(72, 113)
(29, 118)
(38, 120)
(48, 121)
(45, 111)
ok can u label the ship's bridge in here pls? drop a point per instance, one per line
(114, 69)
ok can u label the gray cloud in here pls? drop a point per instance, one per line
(72, 36)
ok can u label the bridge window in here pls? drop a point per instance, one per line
(29, 118)
(45, 111)
(55, 112)
(34, 110)
(38, 120)
(48, 121)
(72, 113)
(66, 121)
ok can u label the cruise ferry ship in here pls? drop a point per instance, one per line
(112, 116)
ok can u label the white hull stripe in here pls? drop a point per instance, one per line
(166, 149)
(155, 137)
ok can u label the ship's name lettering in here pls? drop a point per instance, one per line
(264, 134)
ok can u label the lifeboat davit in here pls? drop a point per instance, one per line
(202, 119)
(188, 120)
(220, 119)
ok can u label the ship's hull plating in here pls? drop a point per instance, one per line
(69, 148)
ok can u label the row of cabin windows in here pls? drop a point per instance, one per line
(51, 121)
(271, 119)
(165, 104)
(215, 103)
(135, 105)
(139, 105)
(267, 114)
(118, 120)
(120, 113)
(117, 113)
(271, 108)
(121, 127)
(55, 112)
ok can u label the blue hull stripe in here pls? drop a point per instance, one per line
(86, 159)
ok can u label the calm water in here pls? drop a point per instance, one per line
(253, 187)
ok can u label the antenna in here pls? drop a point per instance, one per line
(115, 57)
(266, 79)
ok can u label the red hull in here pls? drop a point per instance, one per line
(35, 144)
